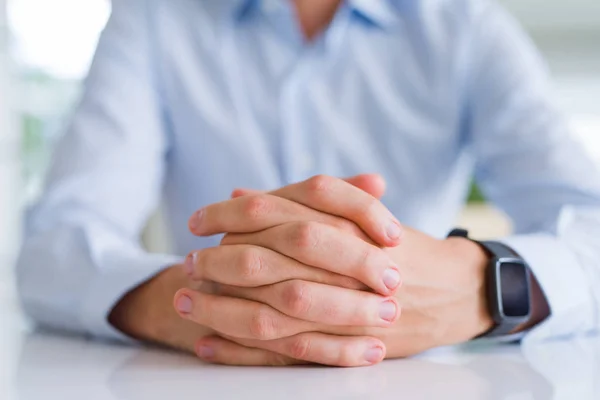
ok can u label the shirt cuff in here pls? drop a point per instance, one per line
(125, 273)
(562, 281)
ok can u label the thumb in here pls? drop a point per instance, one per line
(374, 184)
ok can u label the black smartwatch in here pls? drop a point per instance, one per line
(508, 282)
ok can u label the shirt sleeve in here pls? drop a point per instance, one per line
(82, 251)
(531, 165)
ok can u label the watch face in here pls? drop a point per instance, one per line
(514, 289)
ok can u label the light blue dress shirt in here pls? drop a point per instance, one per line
(188, 99)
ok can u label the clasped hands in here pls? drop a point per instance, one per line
(322, 272)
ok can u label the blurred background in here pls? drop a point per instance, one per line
(46, 47)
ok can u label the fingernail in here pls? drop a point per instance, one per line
(184, 304)
(387, 311)
(374, 355)
(394, 231)
(391, 278)
(190, 262)
(205, 352)
(196, 220)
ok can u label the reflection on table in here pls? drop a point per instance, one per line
(51, 367)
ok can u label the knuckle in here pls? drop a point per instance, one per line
(296, 297)
(319, 184)
(305, 235)
(256, 207)
(300, 347)
(251, 263)
(262, 326)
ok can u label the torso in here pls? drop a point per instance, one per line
(253, 108)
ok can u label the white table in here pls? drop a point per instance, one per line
(46, 366)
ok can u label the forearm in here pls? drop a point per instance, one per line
(534, 168)
(81, 251)
(71, 274)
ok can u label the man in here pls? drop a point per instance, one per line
(195, 100)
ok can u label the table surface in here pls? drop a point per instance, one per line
(37, 365)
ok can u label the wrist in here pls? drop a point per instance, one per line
(134, 312)
(471, 261)
(467, 253)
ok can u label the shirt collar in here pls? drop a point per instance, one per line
(379, 12)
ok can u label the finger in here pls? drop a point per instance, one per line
(217, 350)
(323, 304)
(239, 192)
(236, 317)
(246, 214)
(320, 348)
(337, 197)
(373, 184)
(251, 266)
(258, 212)
(325, 247)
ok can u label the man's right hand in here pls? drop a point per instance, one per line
(146, 313)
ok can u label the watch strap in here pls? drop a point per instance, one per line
(498, 251)
(498, 330)
(495, 249)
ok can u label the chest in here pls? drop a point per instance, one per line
(249, 101)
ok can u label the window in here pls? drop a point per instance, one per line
(52, 43)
